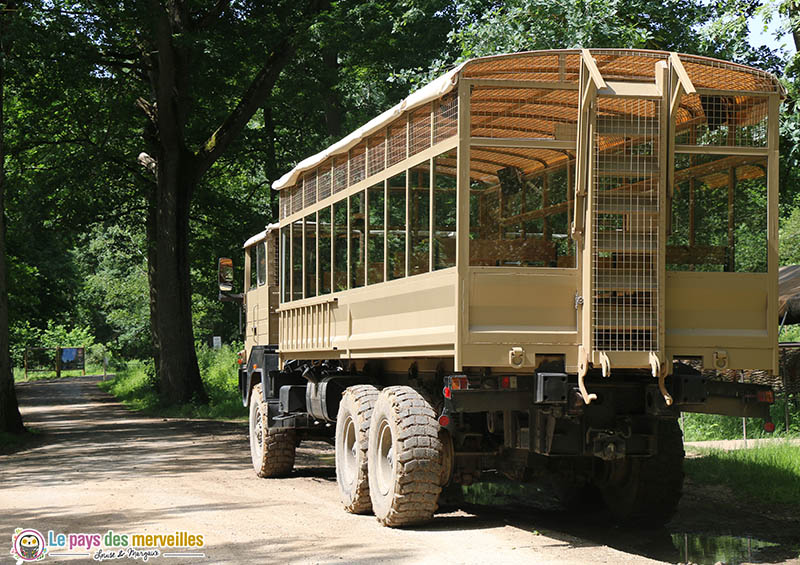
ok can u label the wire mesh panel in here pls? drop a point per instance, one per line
(524, 112)
(628, 64)
(357, 163)
(712, 73)
(707, 119)
(445, 118)
(285, 204)
(419, 135)
(625, 242)
(339, 174)
(310, 189)
(297, 198)
(376, 156)
(396, 142)
(549, 66)
(324, 181)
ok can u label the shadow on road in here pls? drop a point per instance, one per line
(84, 431)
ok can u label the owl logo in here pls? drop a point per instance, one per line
(28, 545)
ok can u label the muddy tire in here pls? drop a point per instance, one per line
(272, 451)
(647, 491)
(352, 439)
(404, 458)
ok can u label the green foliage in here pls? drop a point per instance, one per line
(768, 473)
(706, 427)
(137, 387)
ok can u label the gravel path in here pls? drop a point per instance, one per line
(98, 467)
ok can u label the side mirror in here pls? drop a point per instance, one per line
(225, 274)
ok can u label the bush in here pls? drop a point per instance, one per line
(137, 387)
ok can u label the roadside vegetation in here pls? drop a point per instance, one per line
(711, 427)
(767, 473)
(136, 386)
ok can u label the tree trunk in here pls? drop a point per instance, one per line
(10, 418)
(178, 372)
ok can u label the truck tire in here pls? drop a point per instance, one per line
(352, 439)
(272, 451)
(648, 490)
(404, 458)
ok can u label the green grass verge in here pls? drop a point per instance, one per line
(703, 427)
(136, 387)
(19, 374)
(768, 473)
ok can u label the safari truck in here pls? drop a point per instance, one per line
(528, 267)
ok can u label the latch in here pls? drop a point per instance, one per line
(720, 359)
(516, 356)
(578, 300)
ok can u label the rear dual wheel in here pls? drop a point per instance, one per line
(405, 458)
(389, 457)
(352, 439)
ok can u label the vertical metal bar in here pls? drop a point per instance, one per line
(666, 162)
(462, 224)
(386, 230)
(365, 238)
(431, 211)
(408, 223)
(347, 243)
(772, 223)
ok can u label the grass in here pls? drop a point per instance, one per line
(768, 473)
(136, 387)
(702, 427)
(19, 373)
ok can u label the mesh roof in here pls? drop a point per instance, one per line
(498, 111)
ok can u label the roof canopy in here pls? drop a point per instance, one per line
(558, 66)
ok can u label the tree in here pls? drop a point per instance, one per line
(199, 72)
(10, 418)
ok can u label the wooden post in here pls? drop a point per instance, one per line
(58, 362)
(26, 363)
(83, 369)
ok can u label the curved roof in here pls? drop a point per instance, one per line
(556, 66)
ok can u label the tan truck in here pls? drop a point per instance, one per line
(529, 266)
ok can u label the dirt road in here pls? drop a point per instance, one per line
(99, 467)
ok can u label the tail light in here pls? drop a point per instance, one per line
(767, 396)
(459, 383)
(508, 382)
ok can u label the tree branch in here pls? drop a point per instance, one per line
(257, 92)
(198, 20)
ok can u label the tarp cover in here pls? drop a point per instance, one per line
(789, 294)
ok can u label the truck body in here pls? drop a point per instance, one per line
(531, 265)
